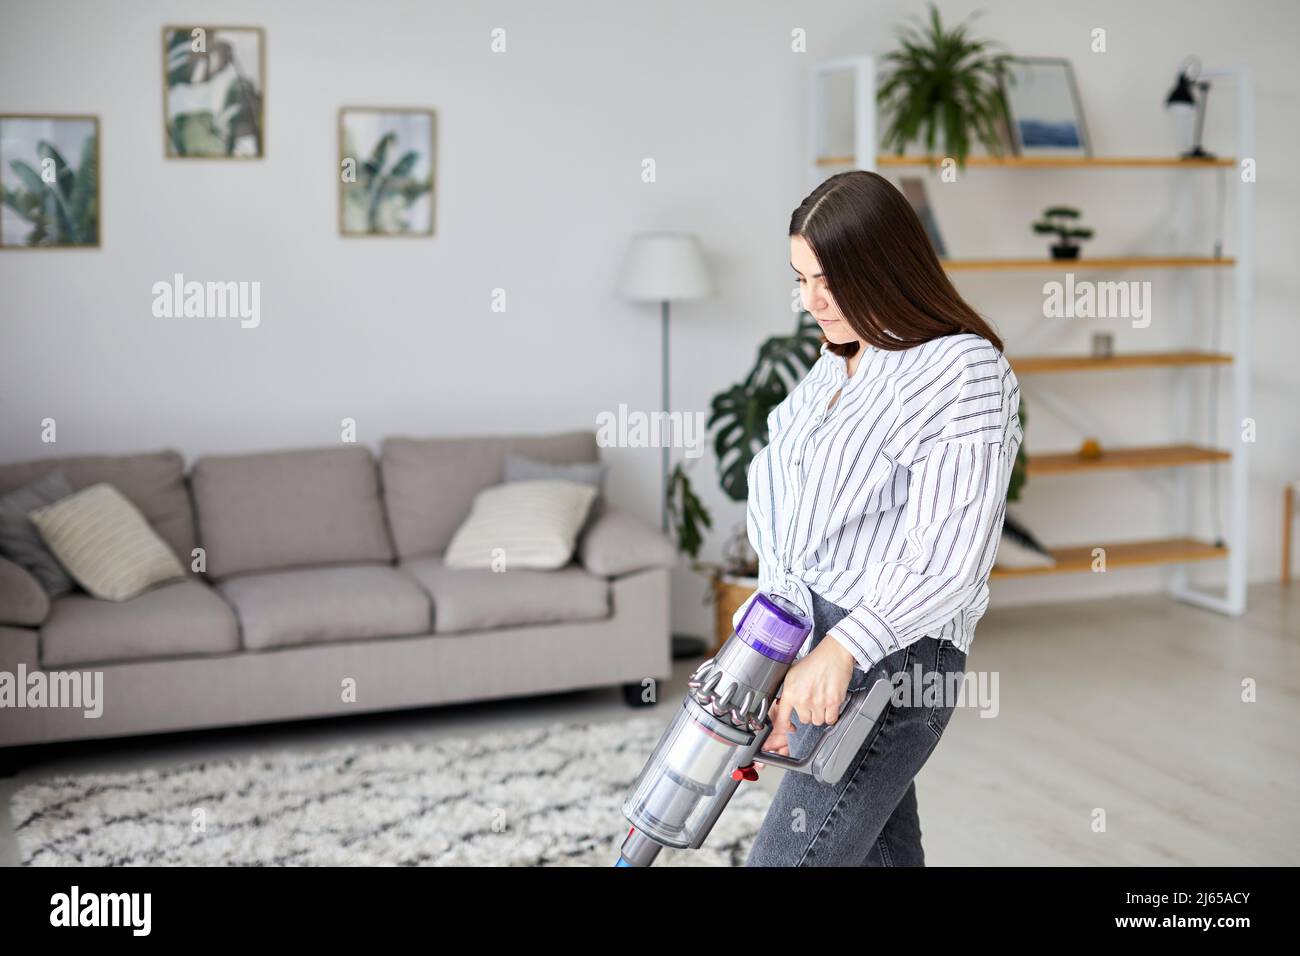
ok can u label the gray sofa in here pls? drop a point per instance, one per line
(324, 574)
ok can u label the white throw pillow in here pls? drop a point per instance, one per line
(105, 543)
(521, 524)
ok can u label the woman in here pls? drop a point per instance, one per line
(877, 507)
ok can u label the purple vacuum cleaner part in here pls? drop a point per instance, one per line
(779, 632)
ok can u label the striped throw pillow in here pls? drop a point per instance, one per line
(105, 543)
(521, 524)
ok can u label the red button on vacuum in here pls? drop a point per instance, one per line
(744, 773)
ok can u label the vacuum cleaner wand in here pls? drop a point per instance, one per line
(712, 742)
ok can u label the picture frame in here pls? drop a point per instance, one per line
(1044, 108)
(387, 169)
(214, 92)
(47, 200)
(913, 190)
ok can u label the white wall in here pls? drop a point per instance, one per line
(539, 175)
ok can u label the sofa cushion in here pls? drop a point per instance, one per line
(106, 544)
(619, 543)
(181, 619)
(20, 539)
(481, 599)
(429, 484)
(22, 599)
(521, 524)
(313, 605)
(153, 482)
(289, 509)
(518, 467)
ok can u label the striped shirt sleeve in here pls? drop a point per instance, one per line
(951, 521)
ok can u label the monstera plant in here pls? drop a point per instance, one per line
(739, 422)
(64, 212)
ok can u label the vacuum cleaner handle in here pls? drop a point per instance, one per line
(828, 761)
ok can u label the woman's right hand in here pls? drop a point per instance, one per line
(783, 748)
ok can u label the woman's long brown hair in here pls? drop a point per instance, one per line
(880, 266)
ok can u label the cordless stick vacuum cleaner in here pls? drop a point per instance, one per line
(712, 742)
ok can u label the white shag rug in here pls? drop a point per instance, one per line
(546, 796)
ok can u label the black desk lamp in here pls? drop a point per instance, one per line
(1183, 97)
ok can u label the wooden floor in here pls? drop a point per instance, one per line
(1134, 707)
(1130, 706)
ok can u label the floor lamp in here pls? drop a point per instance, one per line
(666, 267)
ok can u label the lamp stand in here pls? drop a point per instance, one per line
(683, 645)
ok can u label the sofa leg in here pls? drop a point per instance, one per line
(10, 761)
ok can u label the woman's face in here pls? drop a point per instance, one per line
(816, 296)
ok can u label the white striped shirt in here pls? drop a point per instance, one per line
(891, 503)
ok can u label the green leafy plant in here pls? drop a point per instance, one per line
(739, 422)
(1020, 467)
(1059, 220)
(380, 198)
(64, 212)
(1012, 528)
(944, 87)
(686, 513)
(740, 414)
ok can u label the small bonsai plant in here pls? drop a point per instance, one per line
(944, 84)
(1059, 221)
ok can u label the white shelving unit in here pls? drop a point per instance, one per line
(842, 135)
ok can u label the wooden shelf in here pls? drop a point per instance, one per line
(1122, 554)
(1050, 162)
(1036, 364)
(1045, 264)
(1148, 456)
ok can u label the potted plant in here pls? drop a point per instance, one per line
(1059, 220)
(739, 425)
(943, 88)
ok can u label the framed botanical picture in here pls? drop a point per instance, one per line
(214, 89)
(49, 181)
(1046, 114)
(387, 165)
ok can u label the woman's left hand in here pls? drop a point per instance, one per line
(815, 689)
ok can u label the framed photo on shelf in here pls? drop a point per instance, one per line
(1045, 111)
(214, 90)
(387, 166)
(49, 181)
(913, 189)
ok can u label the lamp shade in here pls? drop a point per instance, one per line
(664, 266)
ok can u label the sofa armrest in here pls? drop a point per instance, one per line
(617, 543)
(22, 599)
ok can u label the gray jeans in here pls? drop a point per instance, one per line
(868, 818)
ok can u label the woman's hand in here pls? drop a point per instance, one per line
(815, 689)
